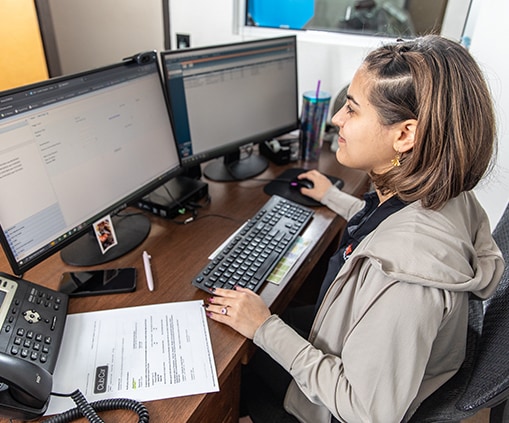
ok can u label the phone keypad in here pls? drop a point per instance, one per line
(32, 321)
(32, 345)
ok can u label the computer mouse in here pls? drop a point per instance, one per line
(301, 183)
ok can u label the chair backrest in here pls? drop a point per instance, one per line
(489, 383)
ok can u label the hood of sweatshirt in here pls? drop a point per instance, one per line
(451, 248)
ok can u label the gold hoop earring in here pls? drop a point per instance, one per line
(395, 161)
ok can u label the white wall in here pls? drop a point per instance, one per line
(208, 22)
(488, 40)
(93, 33)
(334, 59)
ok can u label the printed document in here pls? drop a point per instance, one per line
(143, 353)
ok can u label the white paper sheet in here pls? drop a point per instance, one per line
(144, 353)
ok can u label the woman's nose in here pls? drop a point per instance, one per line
(338, 118)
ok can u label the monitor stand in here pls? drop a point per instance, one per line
(232, 168)
(131, 230)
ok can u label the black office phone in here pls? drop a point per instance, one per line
(32, 320)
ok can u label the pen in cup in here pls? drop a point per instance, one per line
(148, 270)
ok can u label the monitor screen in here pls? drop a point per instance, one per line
(222, 97)
(77, 148)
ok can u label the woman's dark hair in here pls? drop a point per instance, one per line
(436, 81)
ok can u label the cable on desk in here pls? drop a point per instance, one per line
(89, 410)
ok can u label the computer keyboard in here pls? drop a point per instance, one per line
(253, 252)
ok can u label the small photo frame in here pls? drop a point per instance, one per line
(105, 233)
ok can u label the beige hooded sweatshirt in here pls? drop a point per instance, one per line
(392, 326)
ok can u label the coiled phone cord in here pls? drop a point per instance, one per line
(89, 410)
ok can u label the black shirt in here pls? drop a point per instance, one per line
(357, 228)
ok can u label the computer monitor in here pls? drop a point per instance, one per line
(226, 96)
(75, 149)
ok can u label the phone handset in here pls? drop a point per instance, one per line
(28, 384)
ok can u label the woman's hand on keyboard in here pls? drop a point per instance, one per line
(239, 308)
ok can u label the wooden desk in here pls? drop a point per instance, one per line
(179, 252)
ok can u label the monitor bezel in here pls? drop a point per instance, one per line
(119, 205)
(233, 146)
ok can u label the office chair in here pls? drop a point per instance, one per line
(331, 130)
(340, 100)
(483, 380)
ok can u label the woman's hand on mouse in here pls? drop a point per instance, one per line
(321, 184)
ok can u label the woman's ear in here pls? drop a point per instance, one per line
(406, 138)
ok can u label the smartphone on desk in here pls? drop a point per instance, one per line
(98, 282)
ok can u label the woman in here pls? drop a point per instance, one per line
(391, 322)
